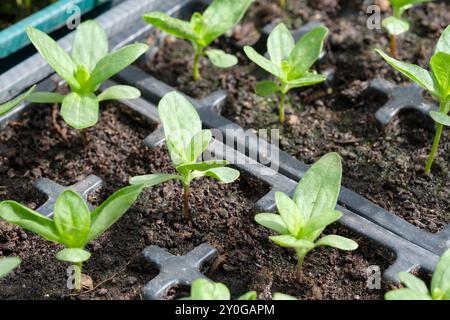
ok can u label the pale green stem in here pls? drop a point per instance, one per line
(186, 202)
(301, 254)
(437, 140)
(196, 70)
(283, 4)
(78, 267)
(281, 108)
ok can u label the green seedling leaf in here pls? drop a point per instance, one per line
(202, 29)
(186, 141)
(46, 97)
(85, 70)
(415, 289)
(395, 26)
(273, 222)
(289, 62)
(267, 88)
(55, 56)
(436, 82)
(80, 111)
(173, 26)
(249, 296)
(8, 106)
(119, 93)
(221, 59)
(7, 265)
(72, 219)
(90, 45)
(282, 296)
(73, 255)
(73, 225)
(413, 72)
(280, 44)
(440, 118)
(443, 44)
(153, 179)
(301, 220)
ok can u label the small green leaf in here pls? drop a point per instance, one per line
(413, 283)
(337, 242)
(119, 93)
(73, 255)
(440, 64)
(405, 294)
(443, 44)
(7, 265)
(440, 283)
(273, 222)
(440, 118)
(280, 44)
(307, 51)
(28, 219)
(249, 296)
(181, 123)
(72, 219)
(115, 62)
(223, 175)
(287, 241)
(46, 97)
(321, 221)
(90, 44)
(4, 108)
(413, 72)
(198, 145)
(266, 88)
(221, 16)
(319, 188)
(203, 289)
(176, 27)
(112, 210)
(262, 62)
(80, 111)
(221, 59)
(153, 179)
(282, 296)
(290, 213)
(55, 56)
(307, 79)
(395, 26)
(202, 166)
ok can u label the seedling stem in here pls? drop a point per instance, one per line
(281, 108)
(186, 202)
(437, 140)
(393, 45)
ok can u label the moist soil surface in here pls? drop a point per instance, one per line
(384, 165)
(222, 215)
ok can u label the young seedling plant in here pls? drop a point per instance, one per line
(202, 29)
(7, 265)
(73, 225)
(290, 63)
(85, 70)
(416, 289)
(302, 220)
(8, 106)
(437, 82)
(186, 141)
(395, 25)
(203, 289)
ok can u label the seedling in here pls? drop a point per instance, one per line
(395, 25)
(283, 4)
(85, 70)
(289, 62)
(416, 289)
(7, 265)
(8, 106)
(203, 289)
(437, 82)
(302, 220)
(220, 17)
(186, 141)
(73, 226)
